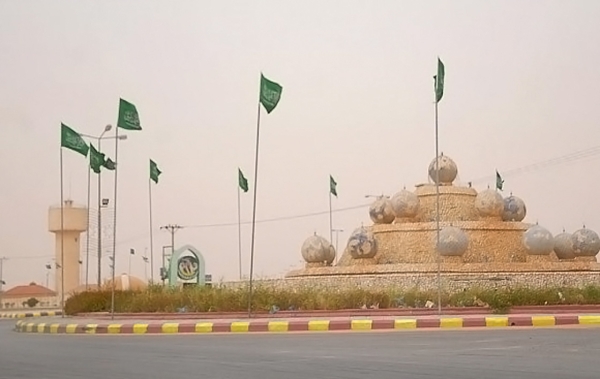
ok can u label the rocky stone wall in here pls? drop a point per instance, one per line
(456, 203)
(451, 282)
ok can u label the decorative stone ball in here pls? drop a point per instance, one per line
(381, 211)
(317, 249)
(453, 241)
(489, 203)
(538, 241)
(514, 209)
(563, 246)
(405, 204)
(362, 244)
(586, 243)
(447, 168)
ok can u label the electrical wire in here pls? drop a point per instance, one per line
(567, 158)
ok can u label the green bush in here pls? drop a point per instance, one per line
(224, 299)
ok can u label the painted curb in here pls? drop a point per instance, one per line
(284, 326)
(31, 314)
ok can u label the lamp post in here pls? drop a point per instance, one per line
(337, 232)
(2, 282)
(98, 139)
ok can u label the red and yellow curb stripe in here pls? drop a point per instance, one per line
(321, 325)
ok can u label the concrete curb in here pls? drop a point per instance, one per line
(31, 314)
(283, 326)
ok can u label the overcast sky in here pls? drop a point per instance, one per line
(521, 87)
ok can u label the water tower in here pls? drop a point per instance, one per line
(74, 223)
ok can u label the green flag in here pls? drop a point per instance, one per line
(109, 164)
(439, 81)
(270, 93)
(242, 181)
(72, 140)
(332, 186)
(96, 159)
(499, 181)
(128, 116)
(154, 171)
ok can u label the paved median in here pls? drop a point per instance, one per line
(31, 314)
(305, 325)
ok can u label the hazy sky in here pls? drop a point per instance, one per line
(521, 87)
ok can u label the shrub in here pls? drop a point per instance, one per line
(223, 299)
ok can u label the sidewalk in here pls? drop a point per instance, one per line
(298, 324)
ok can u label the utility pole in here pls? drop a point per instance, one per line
(172, 229)
(2, 282)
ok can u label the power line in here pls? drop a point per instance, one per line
(567, 158)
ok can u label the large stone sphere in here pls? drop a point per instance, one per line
(362, 244)
(514, 209)
(563, 246)
(586, 243)
(381, 211)
(317, 249)
(405, 204)
(489, 203)
(453, 241)
(538, 241)
(448, 170)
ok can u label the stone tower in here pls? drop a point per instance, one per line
(74, 223)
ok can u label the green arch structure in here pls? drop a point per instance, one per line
(172, 276)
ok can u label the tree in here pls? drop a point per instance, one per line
(32, 302)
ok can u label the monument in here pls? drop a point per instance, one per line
(483, 241)
(73, 224)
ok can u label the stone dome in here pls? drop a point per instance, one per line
(489, 203)
(586, 243)
(362, 244)
(538, 241)
(405, 204)
(453, 241)
(514, 209)
(125, 282)
(381, 211)
(448, 170)
(317, 249)
(563, 246)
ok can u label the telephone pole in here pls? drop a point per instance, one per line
(172, 229)
(2, 259)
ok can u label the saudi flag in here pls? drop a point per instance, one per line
(499, 181)
(439, 81)
(109, 164)
(72, 140)
(96, 159)
(332, 186)
(129, 118)
(242, 181)
(154, 171)
(270, 93)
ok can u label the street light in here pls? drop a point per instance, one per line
(98, 139)
(337, 231)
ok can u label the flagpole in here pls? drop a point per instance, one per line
(437, 207)
(62, 239)
(239, 232)
(330, 220)
(114, 262)
(151, 237)
(254, 213)
(87, 233)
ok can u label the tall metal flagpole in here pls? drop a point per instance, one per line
(87, 232)
(151, 236)
(330, 220)
(254, 213)
(239, 233)
(62, 239)
(437, 206)
(99, 216)
(114, 262)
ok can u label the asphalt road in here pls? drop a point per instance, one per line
(462, 354)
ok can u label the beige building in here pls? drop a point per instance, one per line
(18, 297)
